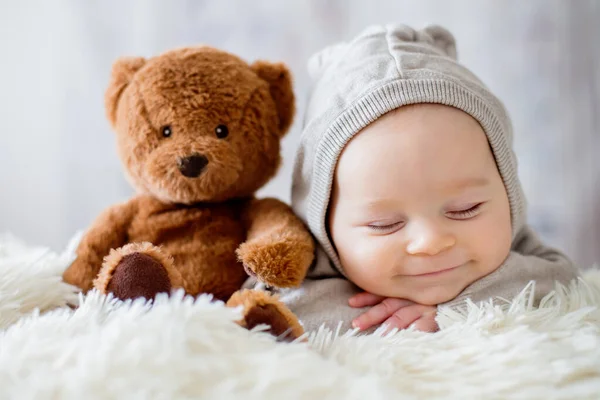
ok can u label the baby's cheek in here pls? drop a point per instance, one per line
(368, 261)
(491, 244)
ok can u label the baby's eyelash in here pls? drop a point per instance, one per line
(385, 227)
(466, 214)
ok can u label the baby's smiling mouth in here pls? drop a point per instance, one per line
(438, 272)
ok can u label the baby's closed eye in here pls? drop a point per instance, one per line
(466, 212)
(459, 213)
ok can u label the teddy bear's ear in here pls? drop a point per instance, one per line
(121, 74)
(279, 78)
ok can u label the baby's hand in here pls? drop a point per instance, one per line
(396, 313)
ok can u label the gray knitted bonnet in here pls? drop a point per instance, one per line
(381, 69)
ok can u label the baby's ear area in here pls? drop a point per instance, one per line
(279, 78)
(123, 70)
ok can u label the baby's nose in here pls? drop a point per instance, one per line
(429, 240)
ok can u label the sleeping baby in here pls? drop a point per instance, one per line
(406, 176)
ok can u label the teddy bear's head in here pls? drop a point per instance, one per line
(199, 124)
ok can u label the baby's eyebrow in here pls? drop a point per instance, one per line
(468, 183)
(377, 204)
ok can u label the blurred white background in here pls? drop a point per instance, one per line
(58, 166)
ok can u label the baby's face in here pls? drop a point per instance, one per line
(419, 210)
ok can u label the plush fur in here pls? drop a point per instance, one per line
(198, 131)
(181, 347)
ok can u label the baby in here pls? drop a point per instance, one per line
(407, 178)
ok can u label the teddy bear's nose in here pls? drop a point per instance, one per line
(193, 165)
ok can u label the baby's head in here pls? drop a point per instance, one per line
(418, 208)
(405, 172)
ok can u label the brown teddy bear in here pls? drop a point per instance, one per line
(198, 132)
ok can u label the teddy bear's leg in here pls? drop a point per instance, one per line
(263, 308)
(137, 270)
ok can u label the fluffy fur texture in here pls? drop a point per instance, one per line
(198, 131)
(186, 348)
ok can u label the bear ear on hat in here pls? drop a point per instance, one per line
(279, 78)
(443, 39)
(121, 75)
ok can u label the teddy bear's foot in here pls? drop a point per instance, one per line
(262, 308)
(137, 270)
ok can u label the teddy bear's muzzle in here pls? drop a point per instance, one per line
(193, 165)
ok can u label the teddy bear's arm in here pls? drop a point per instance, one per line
(109, 231)
(278, 249)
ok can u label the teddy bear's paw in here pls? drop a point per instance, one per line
(280, 263)
(270, 315)
(138, 275)
(260, 308)
(135, 270)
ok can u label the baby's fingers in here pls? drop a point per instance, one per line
(426, 323)
(380, 313)
(364, 299)
(403, 317)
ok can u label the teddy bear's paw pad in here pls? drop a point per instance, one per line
(269, 314)
(138, 275)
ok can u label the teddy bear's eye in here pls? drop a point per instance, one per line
(222, 131)
(166, 130)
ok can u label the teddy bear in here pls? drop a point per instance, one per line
(198, 132)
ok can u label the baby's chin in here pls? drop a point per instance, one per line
(434, 295)
(444, 290)
(430, 293)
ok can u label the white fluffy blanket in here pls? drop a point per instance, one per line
(180, 348)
